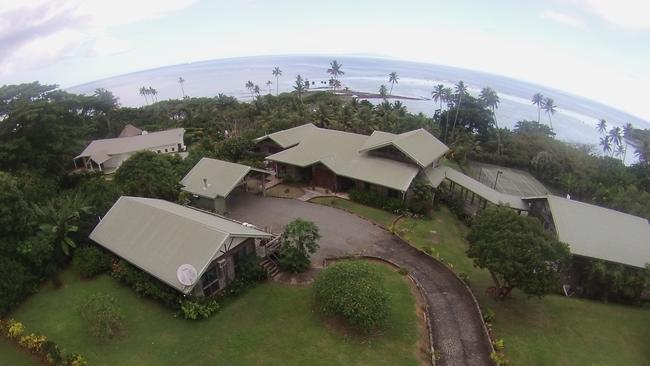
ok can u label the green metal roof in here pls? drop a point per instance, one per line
(221, 177)
(438, 174)
(340, 152)
(289, 137)
(419, 145)
(158, 236)
(598, 232)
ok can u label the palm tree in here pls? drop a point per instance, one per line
(616, 135)
(627, 135)
(606, 144)
(448, 94)
(250, 86)
(59, 219)
(268, 85)
(335, 69)
(256, 90)
(383, 92)
(335, 83)
(154, 93)
(491, 100)
(438, 94)
(181, 81)
(277, 73)
(620, 152)
(642, 152)
(144, 92)
(549, 107)
(392, 79)
(461, 90)
(538, 100)
(299, 87)
(602, 126)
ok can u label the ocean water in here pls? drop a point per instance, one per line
(574, 121)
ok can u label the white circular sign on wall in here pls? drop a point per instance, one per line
(186, 274)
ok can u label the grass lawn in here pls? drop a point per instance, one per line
(381, 217)
(285, 191)
(11, 356)
(554, 330)
(272, 324)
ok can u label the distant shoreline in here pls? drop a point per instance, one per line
(359, 94)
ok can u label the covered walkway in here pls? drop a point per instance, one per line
(473, 192)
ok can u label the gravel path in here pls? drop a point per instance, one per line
(457, 328)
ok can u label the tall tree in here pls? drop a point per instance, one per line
(105, 103)
(251, 88)
(449, 99)
(392, 79)
(277, 73)
(627, 135)
(606, 144)
(144, 92)
(602, 126)
(549, 107)
(383, 92)
(147, 174)
(268, 85)
(461, 91)
(438, 95)
(491, 99)
(517, 251)
(181, 81)
(256, 90)
(538, 100)
(299, 87)
(616, 135)
(335, 69)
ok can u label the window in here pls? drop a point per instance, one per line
(393, 193)
(209, 277)
(172, 149)
(158, 151)
(165, 150)
(366, 186)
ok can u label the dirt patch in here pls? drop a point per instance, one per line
(297, 279)
(285, 191)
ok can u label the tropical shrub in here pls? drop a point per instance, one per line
(32, 342)
(146, 285)
(199, 308)
(353, 290)
(15, 283)
(75, 359)
(91, 261)
(14, 329)
(373, 199)
(104, 319)
(299, 240)
(250, 270)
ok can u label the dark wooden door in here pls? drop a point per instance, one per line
(323, 177)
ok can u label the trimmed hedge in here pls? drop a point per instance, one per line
(354, 291)
(373, 199)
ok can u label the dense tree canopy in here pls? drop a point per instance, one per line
(517, 252)
(147, 174)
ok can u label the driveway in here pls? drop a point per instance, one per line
(457, 327)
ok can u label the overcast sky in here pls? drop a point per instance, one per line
(596, 48)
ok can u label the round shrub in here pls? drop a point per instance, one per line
(102, 316)
(91, 261)
(353, 290)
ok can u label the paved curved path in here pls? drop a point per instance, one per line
(457, 327)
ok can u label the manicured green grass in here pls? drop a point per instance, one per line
(11, 356)
(285, 191)
(554, 330)
(272, 324)
(376, 215)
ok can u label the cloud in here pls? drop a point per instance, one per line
(36, 33)
(626, 14)
(561, 18)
